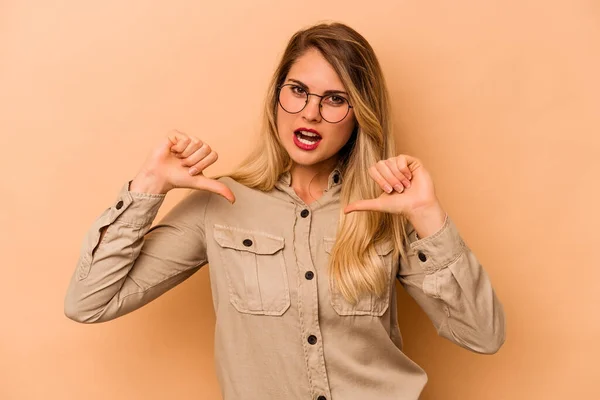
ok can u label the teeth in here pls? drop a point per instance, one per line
(307, 142)
(311, 134)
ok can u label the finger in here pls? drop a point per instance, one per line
(172, 136)
(402, 165)
(363, 205)
(204, 163)
(402, 174)
(412, 164)
(215, 186)
(392, 174)
(181, 145)
(192, 146)
(180, 141)
(196, 156)
(381, 181)
(175, 136)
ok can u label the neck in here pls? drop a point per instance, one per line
(312, 179)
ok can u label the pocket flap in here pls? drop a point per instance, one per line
(246, 240)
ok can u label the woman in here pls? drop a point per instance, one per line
(304, 240)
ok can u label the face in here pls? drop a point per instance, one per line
(313, 74)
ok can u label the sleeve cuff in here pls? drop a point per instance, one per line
(133, 208)
(439, 250)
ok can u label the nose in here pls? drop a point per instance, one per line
(311, 111)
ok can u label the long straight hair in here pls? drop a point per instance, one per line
(354, 265)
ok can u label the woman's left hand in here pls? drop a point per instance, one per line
(407, 187)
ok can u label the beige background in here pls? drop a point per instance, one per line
(500, 99)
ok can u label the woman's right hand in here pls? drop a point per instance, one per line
(178, 162)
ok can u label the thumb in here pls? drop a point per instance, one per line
(363, 205)
(212, 185)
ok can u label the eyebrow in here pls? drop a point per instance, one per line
(327, 92)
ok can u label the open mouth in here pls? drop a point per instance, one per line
(307, 138)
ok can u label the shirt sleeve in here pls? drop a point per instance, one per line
(135, 263)
(448, 282)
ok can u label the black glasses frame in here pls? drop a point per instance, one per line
(306, 102)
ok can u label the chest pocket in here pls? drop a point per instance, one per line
(255, 269)
(368, 304)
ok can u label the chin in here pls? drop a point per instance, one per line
(306, 158)
(304, 161)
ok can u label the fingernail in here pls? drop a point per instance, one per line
(193, 171)
(399, 188)
(406, 183)
(387, 188)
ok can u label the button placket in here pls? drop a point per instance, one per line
(308, 304)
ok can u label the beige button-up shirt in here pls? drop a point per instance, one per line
(280, 332)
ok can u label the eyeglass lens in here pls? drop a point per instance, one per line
(293, 99)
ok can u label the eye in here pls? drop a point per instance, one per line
(335, 100)
(298, 90)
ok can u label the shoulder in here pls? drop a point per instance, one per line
(228, 179)
(236, 187)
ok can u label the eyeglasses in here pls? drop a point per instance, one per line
(332, 107)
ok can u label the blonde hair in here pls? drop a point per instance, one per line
(354, 266)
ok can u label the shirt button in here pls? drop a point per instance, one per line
(312, 339)
(422, 256)
(119, 204)
(309, 275)
(304, 213)
(321, 398)
(247, 242)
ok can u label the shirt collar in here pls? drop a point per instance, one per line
(334, 179)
